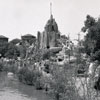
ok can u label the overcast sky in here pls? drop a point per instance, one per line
(19, 17)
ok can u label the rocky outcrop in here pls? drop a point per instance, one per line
(38, 39)
(48, 38)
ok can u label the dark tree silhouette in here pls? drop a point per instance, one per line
(92, 38)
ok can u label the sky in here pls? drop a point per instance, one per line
(20, 17)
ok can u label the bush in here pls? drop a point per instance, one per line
(39, 83)
(25, 76)
(30, 77)
(62, 85)
(10, 67)
(1, 66)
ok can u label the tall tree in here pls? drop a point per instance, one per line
(92, 38)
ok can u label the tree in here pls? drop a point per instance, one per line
(12, 51)
(92, 38)
(3, 49)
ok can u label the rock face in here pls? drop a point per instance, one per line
(48, 38)
(38, 39)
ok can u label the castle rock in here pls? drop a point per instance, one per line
(48, 38)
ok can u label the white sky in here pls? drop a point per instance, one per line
(19, 17)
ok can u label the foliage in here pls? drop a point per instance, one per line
(9, 49)
(92, 38)
(26, 76)
(22, 50)
(10, 66)
(41, 54)
(39, 84)
(62, 86)
(37, 55)
(63, 39)
(1, 66)
(65, 85)
(3, 48)
(12, 51)
(30, 77)
(47, 69)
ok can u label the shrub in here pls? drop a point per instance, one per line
(30, 77)
(26, 76)
(1, 66)
(10, 66)
(62, 86)
(39, 83)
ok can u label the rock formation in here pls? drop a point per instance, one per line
(48, 38)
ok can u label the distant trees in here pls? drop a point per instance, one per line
(3, 49)
(92, 38)
(9, 49)
(12, 51)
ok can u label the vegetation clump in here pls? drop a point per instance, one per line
(30, 77)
